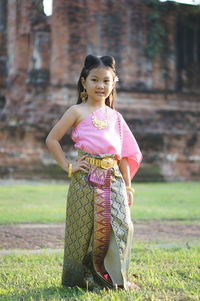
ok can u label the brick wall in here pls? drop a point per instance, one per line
(41, 58)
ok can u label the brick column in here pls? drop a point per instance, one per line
(60, 36)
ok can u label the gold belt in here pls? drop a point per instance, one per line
(103, 163)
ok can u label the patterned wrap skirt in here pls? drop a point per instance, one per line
(99, 230)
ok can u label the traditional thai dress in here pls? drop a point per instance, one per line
(99, 230)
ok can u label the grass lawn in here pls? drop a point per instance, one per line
(45, 203)
(163, 274)
(167, 274)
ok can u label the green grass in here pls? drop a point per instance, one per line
(33, 203)
(46, 203)
(163, 274)
(167, 200)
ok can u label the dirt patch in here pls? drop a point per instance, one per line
(38, 236)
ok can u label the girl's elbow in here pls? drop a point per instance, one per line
(50, 140)
(47, 141)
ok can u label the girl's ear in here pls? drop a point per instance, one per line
(83, 82)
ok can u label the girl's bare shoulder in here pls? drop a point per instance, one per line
(76, 109)
(74, 114)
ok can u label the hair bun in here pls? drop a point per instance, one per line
(91, 60)
(108, 61)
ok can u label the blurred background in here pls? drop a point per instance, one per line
(156, 45)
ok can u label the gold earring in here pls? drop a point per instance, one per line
(110, 99)
(84, 95)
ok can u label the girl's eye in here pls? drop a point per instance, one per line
(94, 80)
(107, 81)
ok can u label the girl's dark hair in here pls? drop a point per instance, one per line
(92, 62)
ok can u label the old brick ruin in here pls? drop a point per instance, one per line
(40, 61)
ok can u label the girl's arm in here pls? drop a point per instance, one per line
(58, 131)
(125, 170)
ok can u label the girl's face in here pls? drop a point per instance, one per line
(99, 83)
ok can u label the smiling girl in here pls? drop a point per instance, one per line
(99, 230)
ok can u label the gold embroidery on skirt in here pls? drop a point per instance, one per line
(79, 228)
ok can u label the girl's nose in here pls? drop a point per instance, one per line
(100, 85)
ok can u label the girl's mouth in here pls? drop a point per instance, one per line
(100, 93)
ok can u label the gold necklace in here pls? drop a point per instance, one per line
(100, 124)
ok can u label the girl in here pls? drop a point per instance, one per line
(98, 235)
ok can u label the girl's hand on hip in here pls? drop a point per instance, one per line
(80, 164)
(129, 197)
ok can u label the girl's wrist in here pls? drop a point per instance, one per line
(66, 167)
(129, 188)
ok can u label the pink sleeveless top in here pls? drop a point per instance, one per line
(116, 139)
